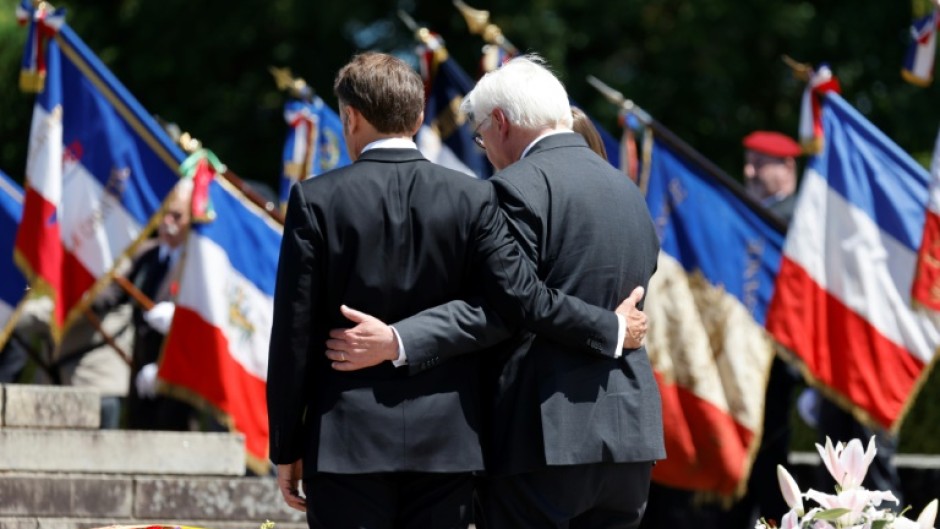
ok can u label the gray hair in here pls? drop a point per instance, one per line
(530, 95)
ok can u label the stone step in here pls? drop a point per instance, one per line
(122, 452)
(29, 406)
(97, 500)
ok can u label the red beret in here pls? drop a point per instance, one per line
(772, 144)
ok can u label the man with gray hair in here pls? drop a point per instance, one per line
(572, 437)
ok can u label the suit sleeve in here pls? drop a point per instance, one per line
(514, 296)
(296, 289)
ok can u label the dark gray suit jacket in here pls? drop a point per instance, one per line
(391, 235)
(587, 229)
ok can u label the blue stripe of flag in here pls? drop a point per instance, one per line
(12, 284)
(888, 185)
(709, 230)
(105, 141)
(246, 235)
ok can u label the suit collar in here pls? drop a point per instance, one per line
(391, 155)
(556, 141)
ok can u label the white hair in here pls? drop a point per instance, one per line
(526, 91)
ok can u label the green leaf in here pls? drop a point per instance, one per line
(831, 514)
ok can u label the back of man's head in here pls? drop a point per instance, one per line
(527, 92)
(384, 89)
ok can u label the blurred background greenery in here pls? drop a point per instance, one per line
(710, 70)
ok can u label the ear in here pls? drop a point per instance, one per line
(353, 119)
(500, 122)
(418, 124)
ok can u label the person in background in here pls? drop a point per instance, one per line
(87, 359)
(770, 170)
(582, 124)
(155, 272)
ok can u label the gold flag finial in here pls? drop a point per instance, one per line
(295, 86)
(478, 21)
(801, 70)
(282, 76)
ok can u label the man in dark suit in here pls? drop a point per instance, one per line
(573, 436)
(393, 234)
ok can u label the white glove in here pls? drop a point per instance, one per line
(807, 405)
(146, 381)
(160, 316)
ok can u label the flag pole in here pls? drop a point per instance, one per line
(96, 323)
(687, 151)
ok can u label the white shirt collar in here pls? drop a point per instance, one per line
(536, 140)
(391, 143)
(165, 251)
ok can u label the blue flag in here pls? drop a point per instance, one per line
(707, 303)
(13, 285)
(314, 143)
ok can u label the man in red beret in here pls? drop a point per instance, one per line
(770, 170)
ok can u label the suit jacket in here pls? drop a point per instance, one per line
(588, 231)
(390, 235)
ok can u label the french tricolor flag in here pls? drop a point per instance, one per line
(919, 60)
(843, 302)
(217, 348)
(98, 170)
(707, 304)
(13, 284)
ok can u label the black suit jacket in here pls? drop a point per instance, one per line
(393, 234)
(588, 231)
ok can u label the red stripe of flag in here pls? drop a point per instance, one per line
(705, 448)
(825, 334)
(926, 288)
(206, 367)
(40, 246)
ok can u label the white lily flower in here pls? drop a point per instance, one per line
(791, 520)
(830, 459)
(855, 463)
(847, 464)
(791, 492)
(928, 516)
(852, 506)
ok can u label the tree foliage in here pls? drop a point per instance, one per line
(709, 70)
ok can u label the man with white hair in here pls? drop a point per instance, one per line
(572, 437)
(155, 272)
(597, 420)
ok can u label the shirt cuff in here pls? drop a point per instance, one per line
(402, 360)
(621, 334)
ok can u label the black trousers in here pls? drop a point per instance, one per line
(595, 496)
(394, 500)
